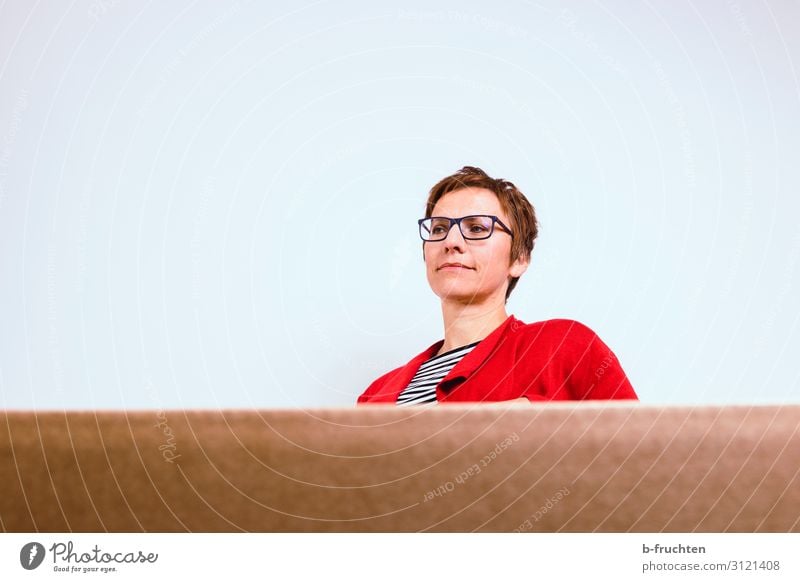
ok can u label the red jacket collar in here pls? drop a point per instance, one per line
(463, 370)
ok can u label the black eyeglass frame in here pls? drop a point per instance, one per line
(457, 221)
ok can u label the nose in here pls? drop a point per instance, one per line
(454, 239)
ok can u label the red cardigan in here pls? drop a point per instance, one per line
(558, 359)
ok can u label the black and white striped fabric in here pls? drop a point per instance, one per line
(422, 388)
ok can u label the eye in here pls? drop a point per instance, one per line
(440, 227)
(478, 226)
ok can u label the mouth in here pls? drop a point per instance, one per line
(453, 266)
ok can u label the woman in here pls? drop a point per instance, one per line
(478, 234)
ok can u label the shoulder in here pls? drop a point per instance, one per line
(564, 329)
(377, 385)
(576, 357)
(557, 336)
(387, 386)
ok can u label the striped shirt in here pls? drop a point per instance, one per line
(422, 388)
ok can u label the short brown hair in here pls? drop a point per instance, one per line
(520, 212)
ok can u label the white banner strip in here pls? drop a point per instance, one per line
(371, 557)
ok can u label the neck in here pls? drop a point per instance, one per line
(466, 324)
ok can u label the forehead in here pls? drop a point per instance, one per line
(468, 201)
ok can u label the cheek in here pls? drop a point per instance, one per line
(428, 255)
(431, 250)
(503, 253)
(496, 261)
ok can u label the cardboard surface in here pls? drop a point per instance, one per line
(561, 467)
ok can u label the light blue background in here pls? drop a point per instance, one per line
(207, 205)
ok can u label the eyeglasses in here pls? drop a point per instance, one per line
(475, 227)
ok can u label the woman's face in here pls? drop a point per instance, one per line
(471, 271)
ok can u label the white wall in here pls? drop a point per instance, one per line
(214, 206)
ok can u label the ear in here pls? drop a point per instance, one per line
(519, 266)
